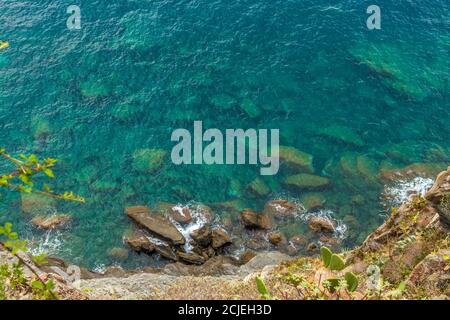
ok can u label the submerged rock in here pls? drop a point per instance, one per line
(50, 222)
(313, 200)
(258, 188)
(148, 160)
(95, 89)
(118, 253)
(223, 101)
(342, 134)
(296, 159)
(304, 181)
(425, 170)
(250, 108)
(155, 224)
(35, 203)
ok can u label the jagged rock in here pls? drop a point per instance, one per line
(191, 258)
(296, 159)
(318, 224)
(202, 236)
(251, 219)
(304, 181)
(431, 274)
(439, 195)
(165, 251)
(155, 224)
(118, 254)
(180, 214)
(51, 222)
(139, 242)
(394, 269)
(281, 209)
(148, 160)
(220, 238)
(312, 247)
(292, 250)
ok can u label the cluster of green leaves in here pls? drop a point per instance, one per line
(27, 168)
(334, 262)
(12, 277)
(262, 289)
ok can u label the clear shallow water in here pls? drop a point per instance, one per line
(140, 69)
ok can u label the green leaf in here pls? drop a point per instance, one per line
(332, 284)
(336, 263)
(352, 281)
(262, 289)
(37, 284)
(49, 173)
(326, 256)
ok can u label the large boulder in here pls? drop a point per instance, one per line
(439, 195)
(202, 236)
(180, 214)
(155, 224)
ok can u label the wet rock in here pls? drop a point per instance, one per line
(148, 160)
(155, 224)
(191, 258)
(275, 238)
(296, 159)
(35, 203)
(165, 251)
(304, 181)
(139, 242)
(313, 200)
(120, 254)
(281, 209)
(258, 188)
(202, 236)
(220, 238)
(348, 164)
(50, 222)
(180, 214)
(342, 134)
(318, 224)
(251, 219)
(426, 170)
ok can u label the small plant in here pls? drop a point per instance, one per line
(334, 262)
(262, 289)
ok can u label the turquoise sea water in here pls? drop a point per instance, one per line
(137, 70)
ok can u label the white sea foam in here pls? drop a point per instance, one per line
(402, 191)
(50, 244)
(198, 221)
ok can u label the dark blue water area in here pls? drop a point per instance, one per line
(94, 98)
